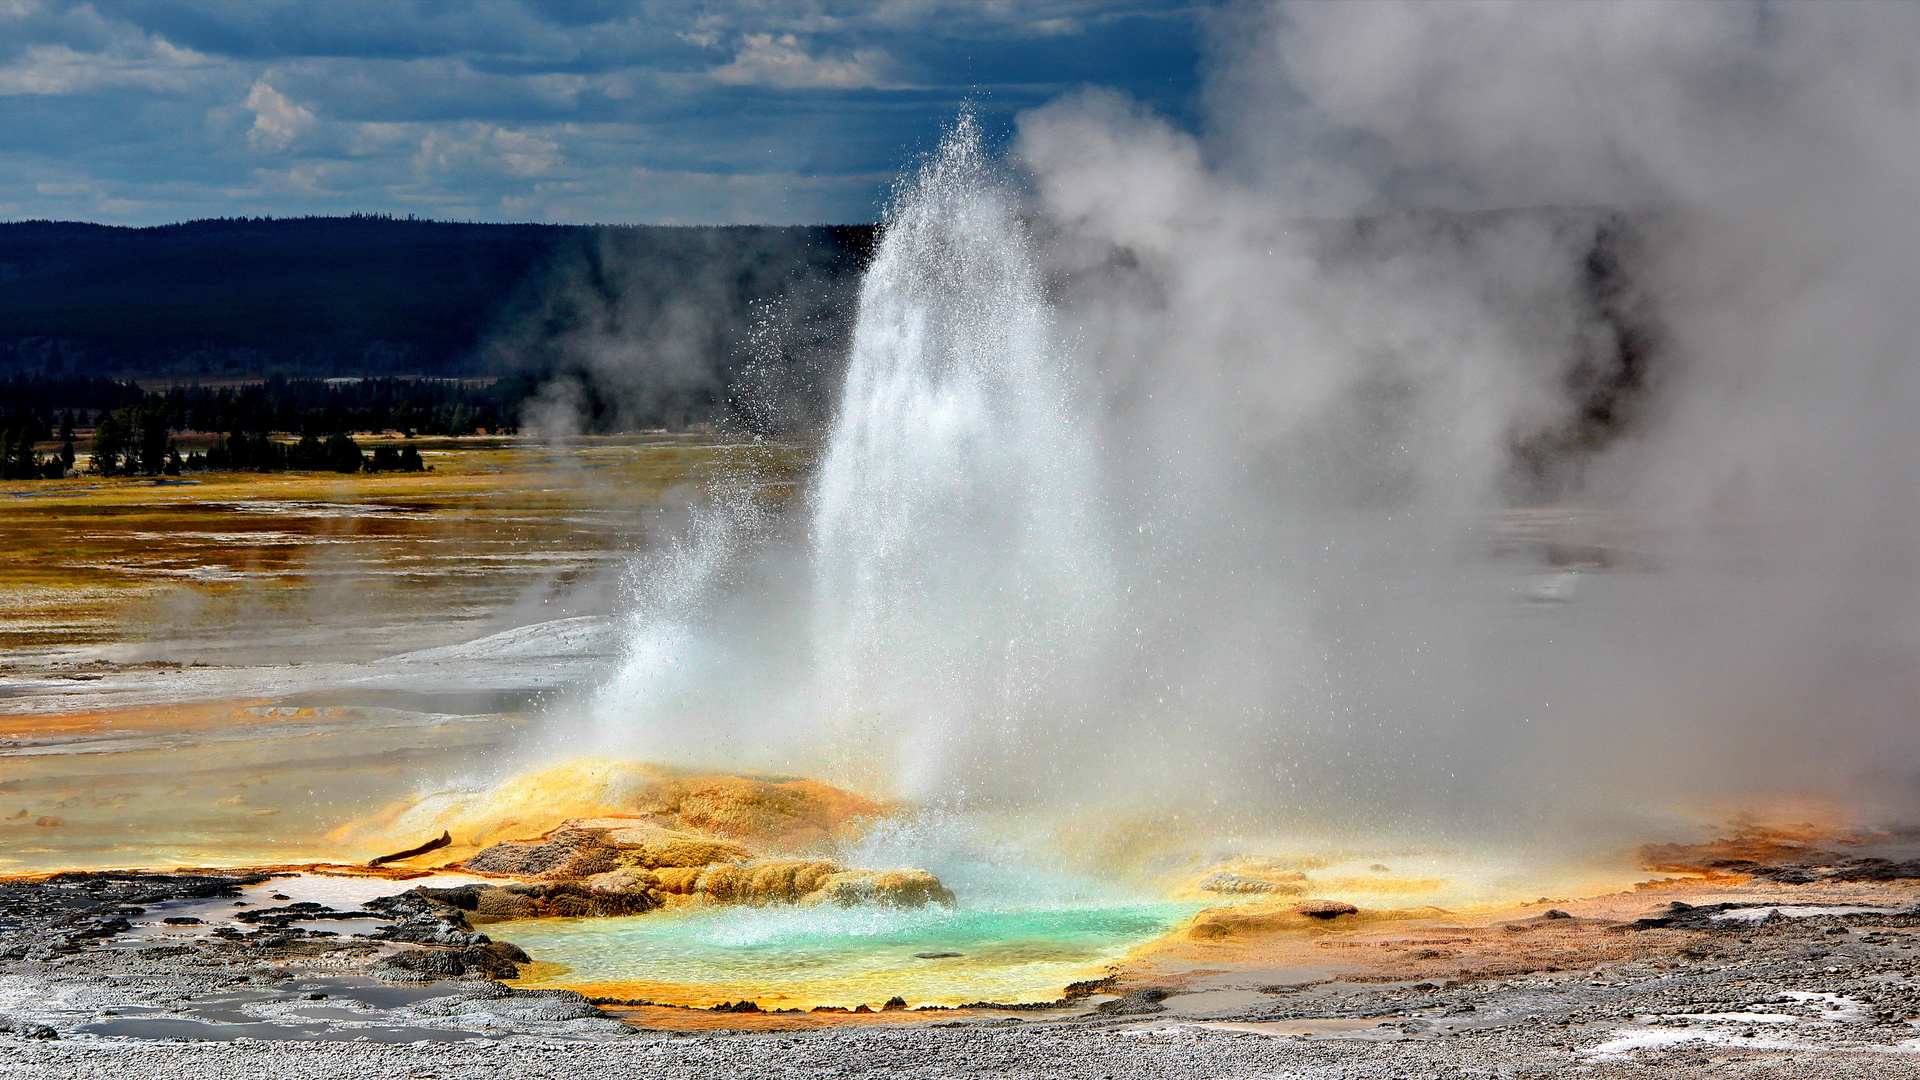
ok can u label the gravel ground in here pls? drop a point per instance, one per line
(1810, 992)
(1035, 1050)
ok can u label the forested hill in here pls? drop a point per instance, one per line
(625, 324)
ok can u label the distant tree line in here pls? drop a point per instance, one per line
(133, 430)
(29, 411)
(38, 405)
(336, 453)
(322, 407)
(20, 461)
(136, 441)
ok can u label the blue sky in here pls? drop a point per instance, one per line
(523, 110)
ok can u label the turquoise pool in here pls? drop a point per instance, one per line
(798, 957)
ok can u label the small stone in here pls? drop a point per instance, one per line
(1325, 909)
(1139, 1002)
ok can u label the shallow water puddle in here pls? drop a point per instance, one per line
(201, 1031)
(1665, 1038)
(341, 1009)
(1741, 1028)
(1374, 1027)
(1796, 911)
(337, 891)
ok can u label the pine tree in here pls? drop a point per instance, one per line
(151, 422)
(109, 444)
(308, 453)
(343, 454)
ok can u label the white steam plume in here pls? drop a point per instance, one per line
(1323, 418)
(1499, 416)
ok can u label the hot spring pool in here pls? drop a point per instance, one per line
(799, 957)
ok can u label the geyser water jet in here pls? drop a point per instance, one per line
(961, 583)
(958, 584)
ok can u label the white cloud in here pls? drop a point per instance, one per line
(47, 70)
(497, 149)
(276, 119)
(780, 60)
(306, 178)
(60, 69)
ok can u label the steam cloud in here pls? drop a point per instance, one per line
(645, 328)
(1503, 416)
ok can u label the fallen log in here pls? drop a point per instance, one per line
(431, 845)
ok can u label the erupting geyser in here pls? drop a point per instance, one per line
(959, 587)
(1525, 475)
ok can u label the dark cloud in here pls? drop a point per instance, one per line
(142, 112)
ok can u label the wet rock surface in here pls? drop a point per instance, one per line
(492, 960)
(77, 969)
(628, 866)
(1228, 882)
(65, 913)
(1845, 870)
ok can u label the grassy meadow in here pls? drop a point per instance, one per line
(135, 570)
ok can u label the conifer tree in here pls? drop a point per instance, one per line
(109, 444)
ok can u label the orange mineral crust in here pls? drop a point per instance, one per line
(666, 1018)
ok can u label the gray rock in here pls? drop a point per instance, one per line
(569, 853)
(27, 1029)
(494, 960)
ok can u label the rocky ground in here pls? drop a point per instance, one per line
(1750, 977)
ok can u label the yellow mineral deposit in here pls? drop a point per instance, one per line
(773, 815)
